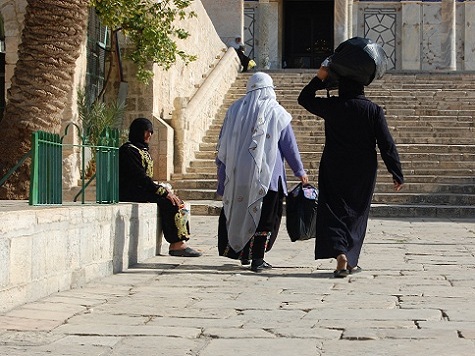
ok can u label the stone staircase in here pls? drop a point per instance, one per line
(431, 117)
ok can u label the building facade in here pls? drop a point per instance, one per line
(418, 36)
(422, 35)
(173, 100)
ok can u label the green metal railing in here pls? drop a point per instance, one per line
(46, 169)
(47, 166)
(106, 176)
(107, 167)
(14, 168)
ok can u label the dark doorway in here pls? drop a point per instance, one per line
(308, 29)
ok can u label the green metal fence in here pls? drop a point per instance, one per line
(107, 167)
(46, 168)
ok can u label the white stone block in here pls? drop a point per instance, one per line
(20, 260)
(76, 245)
(4, 267)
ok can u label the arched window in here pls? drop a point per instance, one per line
(2, 68)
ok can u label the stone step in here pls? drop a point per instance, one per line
(436, 148)
(406, 157)
(410, 170)
(409, 138)
(423, 128)
(439, 90)
(430, 122)
(419, 210)
(383, 177)
(430, 119)
(293, 89)
(389, 82)
(402, 148)
(396, 112)
(213, 208)
(288, 99)
(428, 133)
(405, 135)
(312, 170)
(443, 165)
(420, 175)
(424, 199)
(431, 198)
(382, 186)
(301, 117)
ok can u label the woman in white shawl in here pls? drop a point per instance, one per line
(255, 138)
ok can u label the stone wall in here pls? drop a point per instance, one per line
(227, 17)
(420, 36)
(192, 117)
(57, 248)
(172, 90)
(13, 12)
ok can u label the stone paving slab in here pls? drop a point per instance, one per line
(414, 297)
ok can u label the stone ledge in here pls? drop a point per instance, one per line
(46, 249)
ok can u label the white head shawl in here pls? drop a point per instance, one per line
(248, 146)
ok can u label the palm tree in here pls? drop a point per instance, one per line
(43, 79)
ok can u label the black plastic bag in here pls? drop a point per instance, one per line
(359, 59)
(301, 212)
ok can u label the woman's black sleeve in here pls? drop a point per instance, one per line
(387, 147)
(307, 97)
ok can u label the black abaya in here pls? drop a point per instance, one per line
(354, 125)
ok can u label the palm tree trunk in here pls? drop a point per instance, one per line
(43, 78)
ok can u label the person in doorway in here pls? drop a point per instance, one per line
(255, 138)
(246, 62)
(136, 185)
(354, 125)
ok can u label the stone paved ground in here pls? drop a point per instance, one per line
(414, 297)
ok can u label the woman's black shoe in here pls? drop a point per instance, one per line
(260, 266)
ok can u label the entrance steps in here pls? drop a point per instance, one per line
(431, 117)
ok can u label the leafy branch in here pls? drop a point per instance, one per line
(150, 26)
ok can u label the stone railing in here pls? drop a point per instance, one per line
(193, 116)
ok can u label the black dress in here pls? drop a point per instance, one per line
(136, 185)
(354, 125)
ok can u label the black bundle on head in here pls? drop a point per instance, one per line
(359, 59)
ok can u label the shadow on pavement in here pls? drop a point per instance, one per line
(276, 271)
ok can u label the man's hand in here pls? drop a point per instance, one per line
(304, 179)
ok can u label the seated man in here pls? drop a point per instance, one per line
(136, 185)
